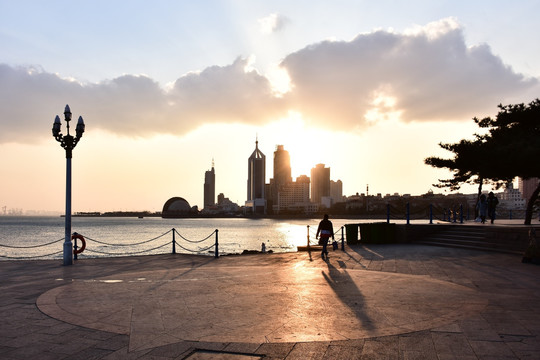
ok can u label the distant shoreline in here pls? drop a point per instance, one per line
(224, 216)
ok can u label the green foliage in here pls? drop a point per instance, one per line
(510, 148)
(515, 136)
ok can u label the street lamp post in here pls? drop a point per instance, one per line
(68, 142)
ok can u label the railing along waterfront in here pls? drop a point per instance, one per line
(104, 248)
(312, 234)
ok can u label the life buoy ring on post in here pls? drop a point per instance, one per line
(83, 243)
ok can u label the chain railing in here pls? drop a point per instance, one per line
(313, 234)
(107, 248)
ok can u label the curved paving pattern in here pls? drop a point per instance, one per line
(292, 303)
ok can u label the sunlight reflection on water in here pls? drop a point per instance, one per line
(234, 235)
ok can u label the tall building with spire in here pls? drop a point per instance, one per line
(210, 187)
(256, 179)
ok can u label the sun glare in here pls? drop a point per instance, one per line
(280, 80)
(306, 146)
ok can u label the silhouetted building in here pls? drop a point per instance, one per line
(282, 166)
(210, 187)
(177, 207)
(256, 179)
(294, 196)
(527, 187)
(282, 173)
(336, 191)
(511, 198)
(320, 183)
(224, 205)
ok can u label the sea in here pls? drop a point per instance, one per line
(42, 237)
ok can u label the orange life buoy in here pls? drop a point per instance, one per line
(83, 245)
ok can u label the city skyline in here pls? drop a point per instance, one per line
(369, 88)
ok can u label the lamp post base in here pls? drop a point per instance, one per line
(68, 253)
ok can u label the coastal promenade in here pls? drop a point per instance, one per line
(399, 301)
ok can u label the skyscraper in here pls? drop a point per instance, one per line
(282, 166)
(320, 183)
(282, 172)
(256, 179)
(336, 191)
(210, 187)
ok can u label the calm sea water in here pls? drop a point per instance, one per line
(125, 236)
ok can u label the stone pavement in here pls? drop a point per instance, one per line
(367, 302)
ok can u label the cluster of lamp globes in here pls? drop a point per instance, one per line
(68, 142)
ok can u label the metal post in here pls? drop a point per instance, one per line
(342, 240)
(216, 255)
(408, 214)
(308, 237)
(388, 213)
(75, 247)
(68, 250)
(461, 213)
(68, 143)
(173, 241)
(431, 213)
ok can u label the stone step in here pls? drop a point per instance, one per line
(468, 238)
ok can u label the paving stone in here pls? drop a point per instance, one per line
(452, 344)
(381, 348)
(378, 301)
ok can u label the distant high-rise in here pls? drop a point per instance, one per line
(256, 179)
(336, 191)
(320, 183)
(527, 186)
(294, 195)
(282, 172)
(210, 187)
(282, 166)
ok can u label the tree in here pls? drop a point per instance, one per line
(510, 148)
(468, 165)
(515, 134)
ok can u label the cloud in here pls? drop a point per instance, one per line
(428, 74)
(135, 105)
(233, 93)
(273, 23)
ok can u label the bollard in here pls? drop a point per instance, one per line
(173, 241)
(75, 247)
(461, 213)
(431, 213)
(216, 255)
(388, 213)
(408, 214)
(342, 240)
(308, 237)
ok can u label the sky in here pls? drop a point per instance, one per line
(166, 88)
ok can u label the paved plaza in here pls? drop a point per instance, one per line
(367, 302)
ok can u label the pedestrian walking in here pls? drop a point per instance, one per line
(492, 203)
(482, 207)
(326, 230)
